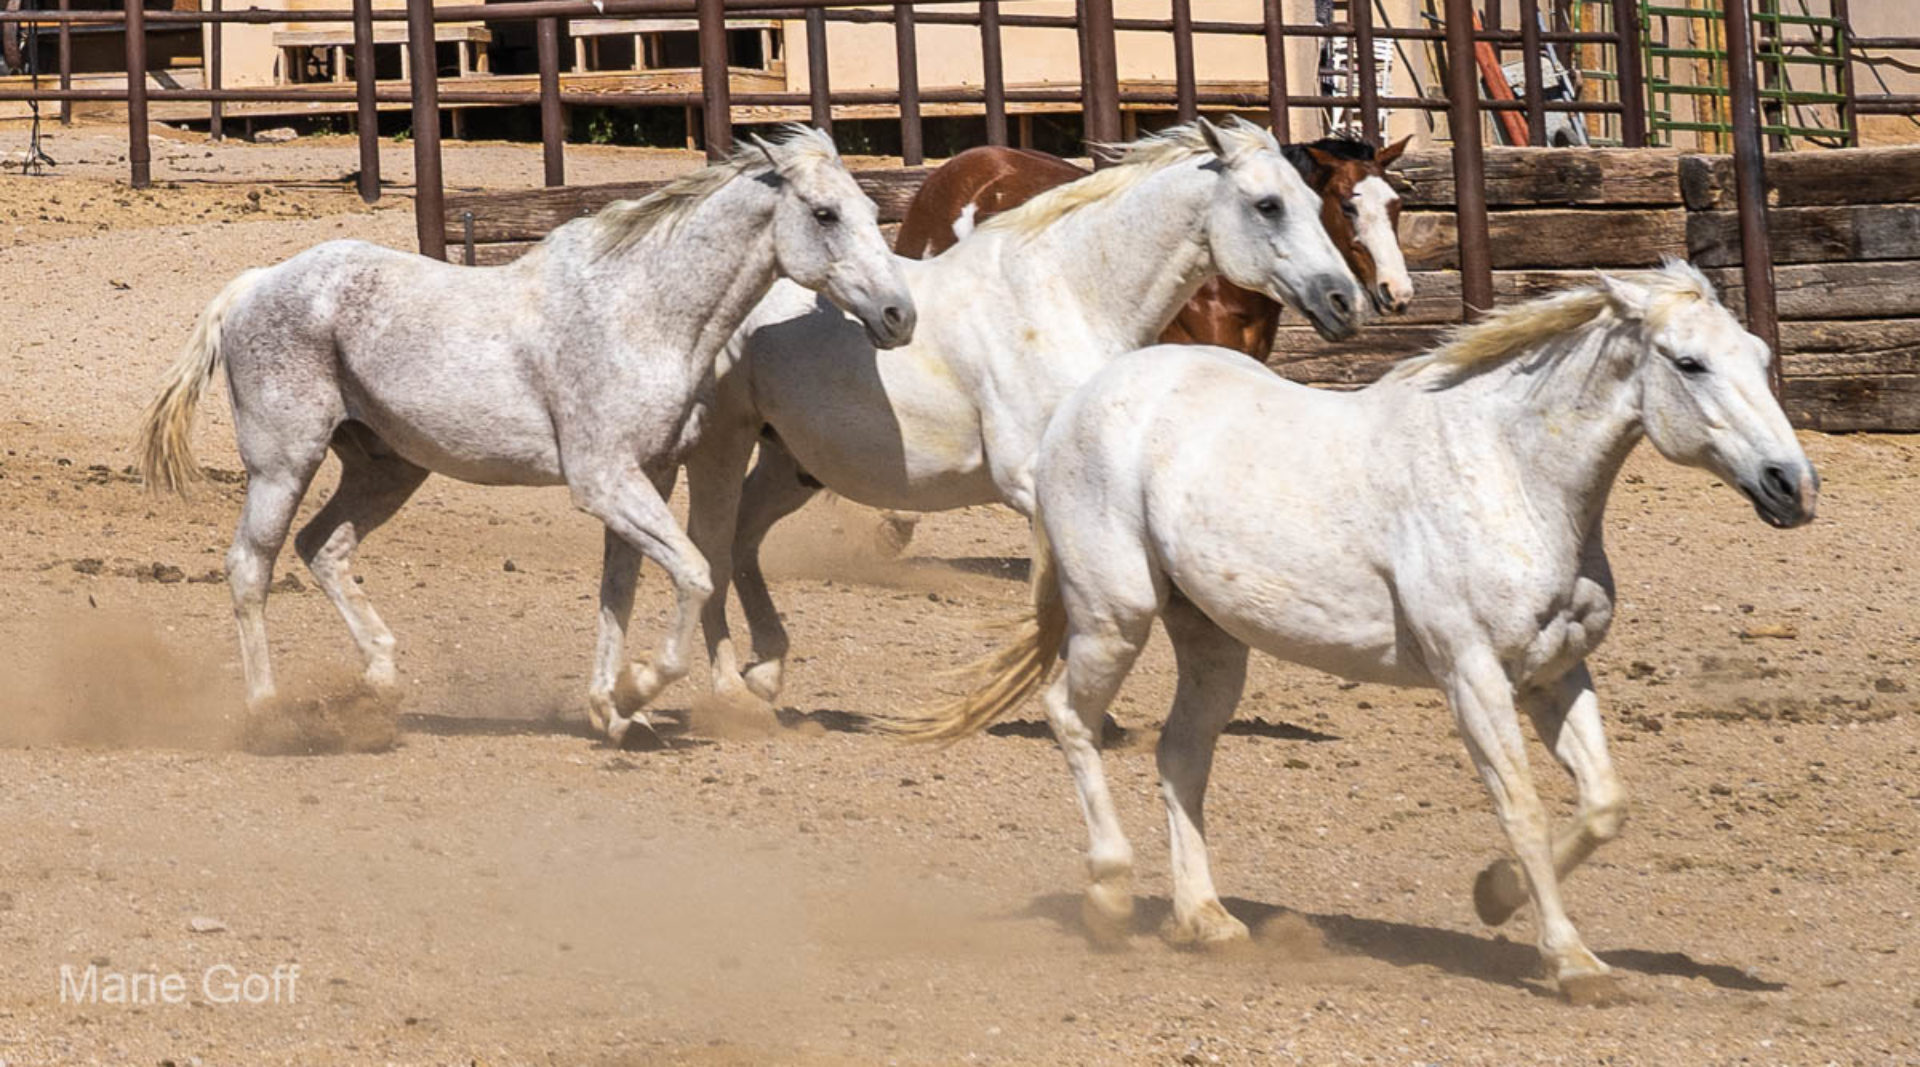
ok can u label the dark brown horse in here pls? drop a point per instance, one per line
(1358, 207)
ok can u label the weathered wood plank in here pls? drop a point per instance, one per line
(1882, 290)
(1554, 238)
(1802, 179)
(1884, 403)
(1811, 234)
(1544, 177)
(1436, 293)
(1858, 347)
(492, 255)
(530, 214)
(1300, 354)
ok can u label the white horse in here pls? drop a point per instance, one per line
(1013, 319)
(588, 362)
(1441, 528)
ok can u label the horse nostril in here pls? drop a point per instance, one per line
(1341, 305)
(1780, 483)
(893, 316)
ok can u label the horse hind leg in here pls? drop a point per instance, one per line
(1567, 718)
(373, 486)
(1213, 673)
(274, 490)
(1098, 659)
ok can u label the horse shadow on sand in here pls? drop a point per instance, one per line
(1494, 960)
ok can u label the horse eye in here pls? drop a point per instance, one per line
(825, 216)
(1690, 365)
(1351, 209)
(1267, 206)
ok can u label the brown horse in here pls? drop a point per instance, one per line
(1358, 207)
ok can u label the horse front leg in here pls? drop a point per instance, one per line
(1483, 707)
(637, 517)
(1567, 717)
(715, 472)
(776, 488)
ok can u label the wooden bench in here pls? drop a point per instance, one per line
(471, 40)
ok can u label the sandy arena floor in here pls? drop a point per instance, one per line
(492, 885)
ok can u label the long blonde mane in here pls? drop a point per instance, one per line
(1130, 164)
(625, 222)
(1511, 331)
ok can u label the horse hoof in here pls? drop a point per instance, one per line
(636, 735)
(894, 534)
(763, 679)
(1492, 890)
(1593, 990)
(1211, 927)
(1107, 912)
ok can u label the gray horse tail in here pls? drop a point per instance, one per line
(166, 431)
(1005, 679)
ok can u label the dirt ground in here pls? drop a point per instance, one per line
(480, 881)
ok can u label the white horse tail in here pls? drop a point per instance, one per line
(1005, 679)
(166, 431)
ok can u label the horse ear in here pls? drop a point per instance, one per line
(772, 152)
(1629, 300)
(1323, 159)
(1211, 135)
(1392, 152)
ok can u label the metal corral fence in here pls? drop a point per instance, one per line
(1099, 96)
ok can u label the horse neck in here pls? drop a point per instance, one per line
(704, 274)
(1128, 262)
(1566, 426)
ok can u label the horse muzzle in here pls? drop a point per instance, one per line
(1784, 495)
(1334, 311)
(890, 325)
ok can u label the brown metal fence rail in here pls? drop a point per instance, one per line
(1099, 97)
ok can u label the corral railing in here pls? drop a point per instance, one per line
(1100, 97)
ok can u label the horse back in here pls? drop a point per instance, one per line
(990, 179)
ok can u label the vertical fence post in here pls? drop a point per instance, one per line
(553, 116)
(1750, 182)
(1843, 51)
(819, 78)
(66, 64)
(1276, 37)
(429, 193)
(1186, 99)
(1632, 83)
(1369, 77)
(907, 57)
(1469, 161)
(993, 79)
(216, 64)
(366, 121)
(715, 91)
(1101, 106)
(1530, 61)
(139, 152)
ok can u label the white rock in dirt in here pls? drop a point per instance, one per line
(277, 135)
(200, 924)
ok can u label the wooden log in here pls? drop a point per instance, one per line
(1811, 234)
(1882, 290)
(1544, 177)
(1802, 179)
(1553, 238)
(530, 214)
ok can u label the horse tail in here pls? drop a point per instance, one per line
(1004, 679)
(166, 430)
